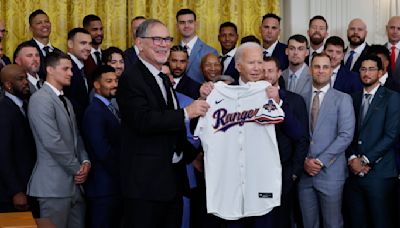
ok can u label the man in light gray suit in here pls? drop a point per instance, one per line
(196, 48)
(62, 162)
(296, 76)
(27, 56)
(332, 123)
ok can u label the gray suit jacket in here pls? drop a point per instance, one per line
(200, 49)
(332, 135)
(60, 149)
(304, 82)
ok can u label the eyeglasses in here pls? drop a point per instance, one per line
(370, 69)
(158, 40)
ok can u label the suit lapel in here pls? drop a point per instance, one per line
(151, 81)
(285, 75)
(59, 104)
(303, 80)
(339, 78)
(375, 103)
(325, 105)
(195, 52)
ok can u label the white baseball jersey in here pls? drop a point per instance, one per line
(241, 157)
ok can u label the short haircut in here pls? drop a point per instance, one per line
(318, 17)
(250, 38)
(226, 25)
(376, 49)
(376, 59)
(21, 46)
(142, 29)
(100, 70)
(185, 11)
(88, 19)
(299, 38)
(272, 59)
(179, 48)
(137, 18)
(74, 31)
(271, 15)
(107, 54)
(319, 55)
(204, 58)
(53, 58)
(242, 47)
(334, 40)
(34, 14)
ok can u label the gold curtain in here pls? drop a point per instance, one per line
(116, 16)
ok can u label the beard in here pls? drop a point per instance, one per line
(22, 94)
(94, 42)
(317, 40)
(356, 43)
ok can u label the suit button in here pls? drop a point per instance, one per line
(311, 142)
(359, 142)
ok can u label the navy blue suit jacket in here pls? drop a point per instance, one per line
(188, 87)
(17, 150)
(231, 70)
(77, 93)
(101, 132)
(375, 137)
(357, 64)
(279, 53)
(42, 69)
(292, 136)
(130, 56)
(347, 81)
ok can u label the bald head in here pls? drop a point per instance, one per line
(356, 32)
(393, 30)
(2, 29)
(14, 80)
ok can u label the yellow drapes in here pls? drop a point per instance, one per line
(116, 16)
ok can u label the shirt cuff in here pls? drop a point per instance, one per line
(352, 157)
(86, 161)
(320, 162)
(364, 159)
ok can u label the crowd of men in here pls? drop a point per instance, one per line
(104, 138)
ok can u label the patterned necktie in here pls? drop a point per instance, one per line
(167, 86)
(62, 98)
(114, 111)
(315, 110)
(349, 60)
(98, 59)
(365, 105)
(393, 58)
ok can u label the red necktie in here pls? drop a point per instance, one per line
(393, 57)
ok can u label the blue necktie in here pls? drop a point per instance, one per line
(349, 60)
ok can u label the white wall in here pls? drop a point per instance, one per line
(375, 13)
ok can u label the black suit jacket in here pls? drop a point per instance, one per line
(77, 93)
(231, 70)
(90, 67)
(42, 69)
(279, 53)
(17, 150)
(292, 136)
(347, 81)
(375, 137)
(150, 134)
(357, 64)
(189, 87)
(130, 57)
(6, 59)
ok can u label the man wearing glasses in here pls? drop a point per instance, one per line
(370, 188)
(153, 135)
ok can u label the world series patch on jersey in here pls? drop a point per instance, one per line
(241, 158)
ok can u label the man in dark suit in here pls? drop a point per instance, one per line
(133, 52)
(27, 56)
(357, 50)
(370, 188)
(178, 61)
(153, 135)
(40, 26)
(79, 45)
(93, 25)
(317, 32)
(293, 142)
(196, 48)
(386, 79)
(342, 79)
(393, 45)
(270, 29)
(17, 146)
(101, 131)
(228, 38)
